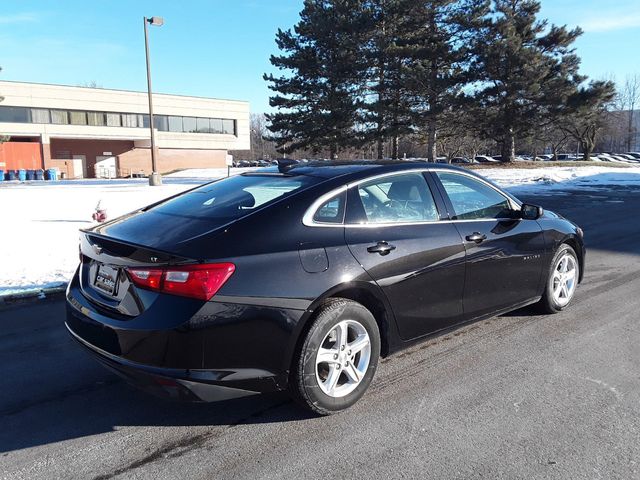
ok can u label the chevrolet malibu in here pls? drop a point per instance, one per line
(301, 277)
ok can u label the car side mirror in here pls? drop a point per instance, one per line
(531, 212)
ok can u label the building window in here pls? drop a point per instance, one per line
(161, 123)
(175, 124)
(188, 124)
(113, 120)
(40, 115)
(14, 114)
(202, 125)
(78, 118)
(216, 125)
(131, 120)
(96, 119)
(229, 127)
(60, 117)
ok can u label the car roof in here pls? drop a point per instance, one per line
(332, 173)
(353, 169)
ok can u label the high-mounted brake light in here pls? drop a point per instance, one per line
(200, 281)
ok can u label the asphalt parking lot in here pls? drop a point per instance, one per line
(518, 396)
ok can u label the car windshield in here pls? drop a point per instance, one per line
(233, 197)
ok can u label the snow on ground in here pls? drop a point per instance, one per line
(39, 232)
(39, 228)
(562, 178)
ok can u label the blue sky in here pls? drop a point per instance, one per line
(221, 48)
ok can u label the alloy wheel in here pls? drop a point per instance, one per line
(343, 358)
(565, 276)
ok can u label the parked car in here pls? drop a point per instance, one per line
(564, 157)
(485, 159)
(635, 155)
(462, 161)
(301, 277)
(628, 157)
(618, 158)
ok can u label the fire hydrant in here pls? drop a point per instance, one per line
(100, 215)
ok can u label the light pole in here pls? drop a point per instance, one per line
(154, 178)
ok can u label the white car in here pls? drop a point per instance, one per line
(485, 159)
(628, 157)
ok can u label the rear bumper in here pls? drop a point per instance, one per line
(177, 384)
(202, 351)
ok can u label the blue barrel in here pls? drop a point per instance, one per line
(1, 175)
(11, 175)
(39, 174)
(31, 174)
(52, 174)
(22, 174)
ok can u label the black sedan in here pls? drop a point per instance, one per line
(302, 276)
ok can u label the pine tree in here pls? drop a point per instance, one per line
(317, 97)
(527, 72)
(387, 99)
(440, 46)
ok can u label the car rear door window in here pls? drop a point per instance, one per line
(472, 199)
(403, 198)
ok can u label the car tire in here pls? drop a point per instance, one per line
(337, 359)
(555, 297)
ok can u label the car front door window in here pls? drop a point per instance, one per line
(472, 199)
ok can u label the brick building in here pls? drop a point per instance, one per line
(95, 132)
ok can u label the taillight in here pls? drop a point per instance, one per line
(200, 281)
(146, 277)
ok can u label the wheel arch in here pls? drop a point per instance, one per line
(369, 296)
(578, 247)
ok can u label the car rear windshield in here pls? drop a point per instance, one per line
(233, 197)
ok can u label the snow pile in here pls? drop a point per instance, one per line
(39, 233)
(39, 239)
(562, 178)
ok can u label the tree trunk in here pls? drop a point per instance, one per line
(587, 148)
(380, 152)
(431, 140)
(508, 150)
(333, 150)
(630, 132)
(394, 147)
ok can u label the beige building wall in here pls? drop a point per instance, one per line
(36, 95)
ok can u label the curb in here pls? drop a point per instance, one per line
(30, 295)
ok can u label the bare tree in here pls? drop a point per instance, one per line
(3, 138)
(588, 107)
(90, 84)
(629, 99)
(553, 136)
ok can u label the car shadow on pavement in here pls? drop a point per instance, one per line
(109, 405)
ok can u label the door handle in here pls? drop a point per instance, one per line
(476, 237)
(383, 248)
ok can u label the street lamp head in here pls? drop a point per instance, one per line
(157, 21)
